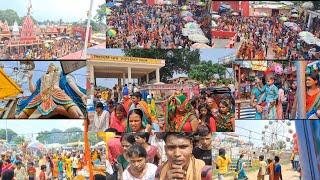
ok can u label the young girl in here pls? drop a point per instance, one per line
(224, 118)
(272, 94)
(206, 117)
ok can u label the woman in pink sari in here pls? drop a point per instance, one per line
(281, 99)
(118, 119)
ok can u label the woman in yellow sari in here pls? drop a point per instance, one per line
(68, 167)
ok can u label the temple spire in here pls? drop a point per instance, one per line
(29, 8)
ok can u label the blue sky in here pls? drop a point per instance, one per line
(67, 10)
(212, 54)
(40, 69)
(36, 126)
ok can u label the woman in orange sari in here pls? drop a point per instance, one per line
(55, 166)
(313, 96)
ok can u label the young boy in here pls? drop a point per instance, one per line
(262, 168)
(270, 169)
(31, 171)
(42, 175)
(60, 168)
(277, 169)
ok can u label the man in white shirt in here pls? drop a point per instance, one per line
(20, 172)
(101, 118)
(74, 161)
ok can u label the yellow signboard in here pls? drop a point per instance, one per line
(259, 65)
(127, 59)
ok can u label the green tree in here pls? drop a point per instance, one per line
(206, 71)
(10, 16)
(281, 145)
(73, 135)
(93, 138)
(177, 60)
(18, 139)
(58, 136)
(11, 134)
(101, 14)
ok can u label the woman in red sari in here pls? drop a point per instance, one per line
(313, 96)
(118, 118)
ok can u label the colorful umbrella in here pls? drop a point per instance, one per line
(108, 11)
(308, 5)
(191, 25)
(198, 38)
(188, 18)
(36, 146)
(305, 34)
(185, 8)
(235, 13)
(168, 2)
(112, 33)
(283, 18)
(214, 24)
(187, 32)
(264, 14)
(216, 16)
(200, 3)
(110, 4)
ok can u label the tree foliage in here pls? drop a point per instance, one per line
(18, 140)
(206, 71)
(101, 14)
(59, 136)
(177, 60)
(10, 16)
(11, 134)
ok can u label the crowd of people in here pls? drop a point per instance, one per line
(268, 37)
(145, 26)
(61, 164)
(128, 111)
(270, 168)
(52, 49)
(162, 155)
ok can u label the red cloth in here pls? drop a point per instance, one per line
(115, 149)
(116, 123)
(42, 176)
(212, 124)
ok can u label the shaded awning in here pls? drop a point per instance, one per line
(8, 86)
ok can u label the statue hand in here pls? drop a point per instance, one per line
(30, 75)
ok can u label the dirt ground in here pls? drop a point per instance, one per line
(287, 173)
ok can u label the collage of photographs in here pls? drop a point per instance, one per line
(159, 90)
